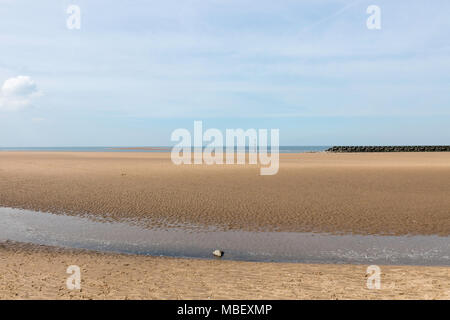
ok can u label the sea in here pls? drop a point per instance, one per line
(282, 149)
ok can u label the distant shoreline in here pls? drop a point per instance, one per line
(141, 148)
(282, 149)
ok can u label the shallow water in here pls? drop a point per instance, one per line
(282, 149)
(128, 237)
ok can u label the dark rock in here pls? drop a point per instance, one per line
(349, 149)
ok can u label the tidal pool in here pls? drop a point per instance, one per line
(91, 233)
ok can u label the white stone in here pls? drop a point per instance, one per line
(218, 253)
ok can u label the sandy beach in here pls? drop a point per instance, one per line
(400, 193)
(35, 272)
(395, 194)
(332, 118)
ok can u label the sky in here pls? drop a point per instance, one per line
(137, 70)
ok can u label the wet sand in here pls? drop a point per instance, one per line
(399, 194)
(34, 272)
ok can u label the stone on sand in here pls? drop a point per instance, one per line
(218, 253)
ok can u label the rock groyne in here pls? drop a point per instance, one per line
(389, 149)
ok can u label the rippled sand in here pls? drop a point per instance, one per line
(381, 193)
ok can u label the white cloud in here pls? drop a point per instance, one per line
(17, 93)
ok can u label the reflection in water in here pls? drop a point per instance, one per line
(124, 237)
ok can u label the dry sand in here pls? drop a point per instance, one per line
(377, 193)
(33, 272)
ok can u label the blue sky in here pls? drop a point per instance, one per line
(137, 70)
